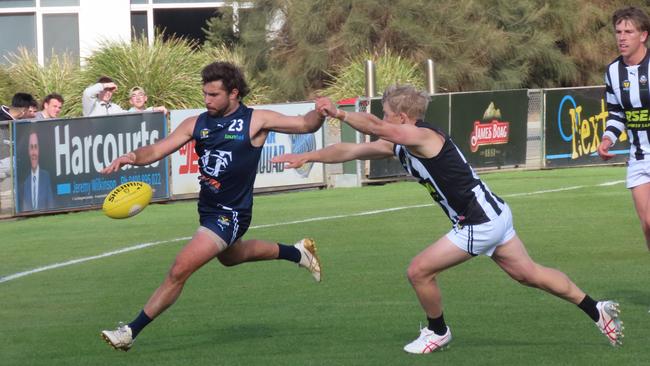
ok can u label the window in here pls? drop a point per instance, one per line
(59, 2)
(17, 3)
(138, 24)
(17, 30)
(181, 1)
(60, 35)
(186, 23)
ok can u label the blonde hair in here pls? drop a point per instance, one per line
(406, 99)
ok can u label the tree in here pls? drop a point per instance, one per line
(297, 46)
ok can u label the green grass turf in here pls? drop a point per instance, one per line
(363, 312)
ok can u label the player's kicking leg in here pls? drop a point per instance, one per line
(201, 249)
(513, 258)
(303, 253)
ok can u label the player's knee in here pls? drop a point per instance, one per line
(179, 273)
(525, 277)
(230, 257)
(416, 273)
(228, 261)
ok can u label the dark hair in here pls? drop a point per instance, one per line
(229, 74)
(633, 14)
(49, 97)
(104, 79)
(23, 100)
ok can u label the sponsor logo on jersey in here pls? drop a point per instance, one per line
(626, 85)
(230, 136)
(204, 134)
(638, 119)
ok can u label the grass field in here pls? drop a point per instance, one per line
(363, 312)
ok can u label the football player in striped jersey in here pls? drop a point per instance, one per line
(627, 94)
(481, 220)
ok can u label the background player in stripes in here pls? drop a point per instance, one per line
(627, 94)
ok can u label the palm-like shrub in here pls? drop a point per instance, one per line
(349, 79)
(6, 86)
(60, 75)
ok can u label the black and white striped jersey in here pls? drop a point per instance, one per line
(627, 95)
(452, 183)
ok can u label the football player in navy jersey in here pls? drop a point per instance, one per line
(481, 220)
(628, 105)
(229, 137)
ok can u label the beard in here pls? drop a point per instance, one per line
(218, 113)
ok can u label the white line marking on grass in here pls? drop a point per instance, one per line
(322, 218)
(86, 259)
(542, 192)
(340, 216)
(611, 183)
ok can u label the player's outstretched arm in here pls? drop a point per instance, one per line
(338, 153)
(151, 153)
(273, 121)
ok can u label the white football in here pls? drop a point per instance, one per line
(127, 200)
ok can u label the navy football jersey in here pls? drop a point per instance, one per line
(227, 160)
(452, 183)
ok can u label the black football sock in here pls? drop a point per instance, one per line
(289, 252)
(588, 305)
(139, 323)
(438, 325)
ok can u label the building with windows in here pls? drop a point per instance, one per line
(77, 27)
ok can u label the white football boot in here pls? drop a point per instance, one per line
(428, 342)
(308, 257)
(120, 338)
(609, 323)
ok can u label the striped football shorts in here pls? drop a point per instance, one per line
(484, 238)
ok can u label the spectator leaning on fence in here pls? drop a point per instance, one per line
(52, 105)
(97, 98)
(138, 100)
(20, 108)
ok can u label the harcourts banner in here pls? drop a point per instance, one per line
(58, 161)
(490, 127)
(574, 124)
(185, 170)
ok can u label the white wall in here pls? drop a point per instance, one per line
(101, 20)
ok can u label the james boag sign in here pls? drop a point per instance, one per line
(490, 127)
(493, 132)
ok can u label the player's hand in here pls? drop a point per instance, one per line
(603, 149)
(290, 160)
(119, 162)
(325, 106)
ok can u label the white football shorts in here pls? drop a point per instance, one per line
(484, 238)
(638, 173)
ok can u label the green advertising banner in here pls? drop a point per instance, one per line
(437, 115)
(490, 128)
(58, 161)
(574, 124)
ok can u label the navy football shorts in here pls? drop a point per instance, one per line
(228, 224)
